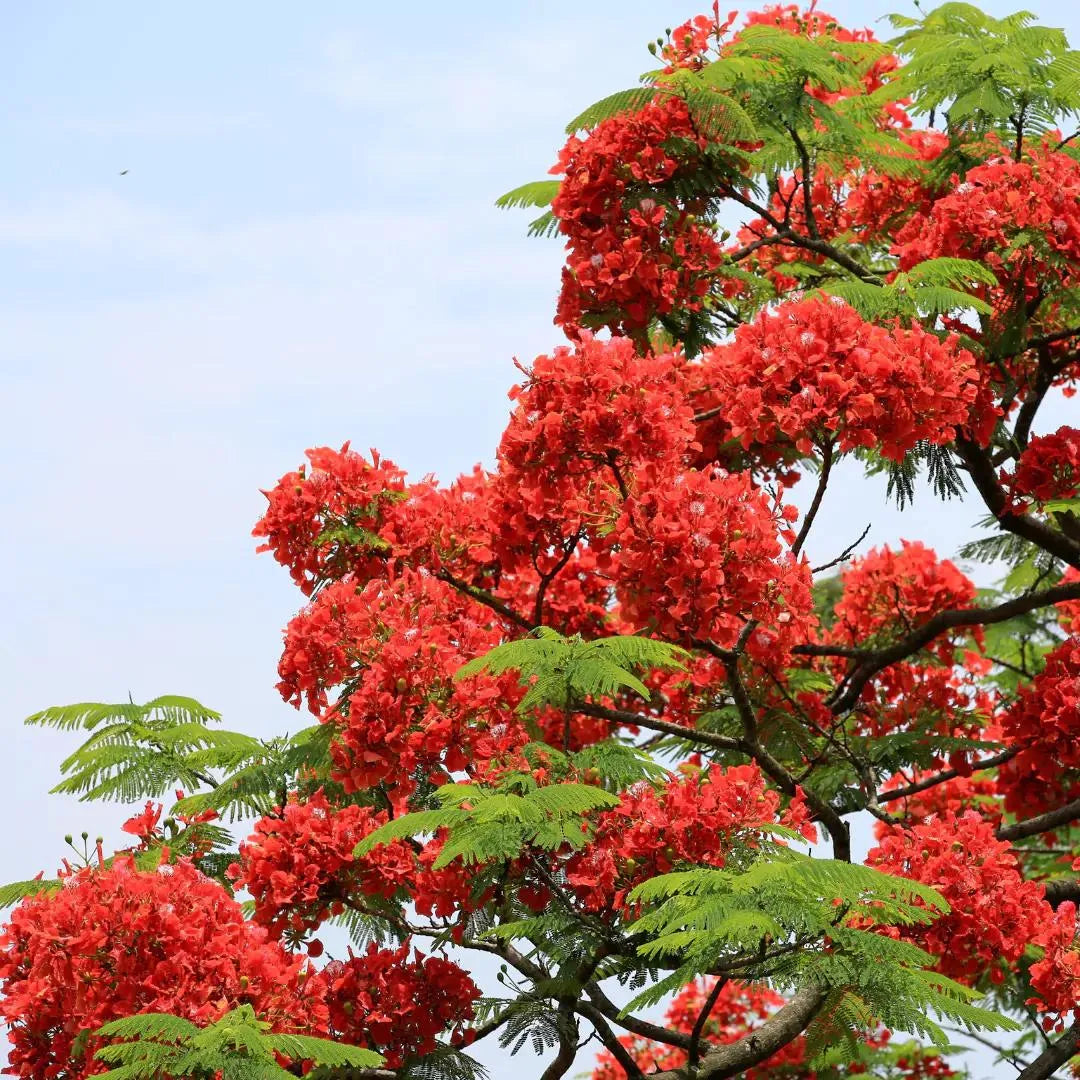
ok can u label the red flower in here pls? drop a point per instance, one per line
(691, 821)
(813, 372)
(144, 824)
(1048, 469)
(1044, 724)
(298, 864)
(395, 1005)
(633, 253)
(326, 524)
(116, 942)
(994, 911)
(700, 553)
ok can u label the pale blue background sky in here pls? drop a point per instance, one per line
(303, 251)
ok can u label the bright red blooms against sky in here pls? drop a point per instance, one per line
(595, 712)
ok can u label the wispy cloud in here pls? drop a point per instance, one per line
(147, 123)
(394, 248)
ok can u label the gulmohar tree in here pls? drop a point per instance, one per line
(581, 713)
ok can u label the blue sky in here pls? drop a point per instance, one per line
(304, 250)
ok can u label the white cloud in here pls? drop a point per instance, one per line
(159, 123)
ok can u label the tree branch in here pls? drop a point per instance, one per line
(953, 619)
(652, 723)
(946, 774)
(819, 494)
(1052, 819)
(1062, 889)
(647, 1030)
(610, 1040)
(487, 599)
(1053, 1056)
(775, 1033)
(981, 469)
(699, 1025)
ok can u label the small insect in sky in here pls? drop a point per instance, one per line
(124, 172)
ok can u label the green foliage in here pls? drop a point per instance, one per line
(618, 764)
(485, 825)
(632, 100)
(934, 287)
(145, 751)
(140, 751)
(444, 1063)
(773, 919)
(538, 193)
(984, 74)
(561, 670)
(239, 1046)
(528, 1019)
(19, 890)
(938, 462)
(258, 785)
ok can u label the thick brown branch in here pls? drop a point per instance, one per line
(946, 774)
(980, 467)
(953, 619)
(1053, 1056)
(607, 1008)
(1057, 892)
(735, 1058)
(1052, 819)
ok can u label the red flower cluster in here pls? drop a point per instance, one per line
(1044, 724)
(1069, 610)
(996, 203)
(700, 554)
(397, 646)
(632, 252)
(814, 372)
(1048, 469)
(994, 911)
(950, 798)
(887, 593)
(589, 421)
(325, 524)
(1056, 976)
(879, 202)
(115, 942)
(299, 866)
(691, 821)
(395, 1005)
(688, 43)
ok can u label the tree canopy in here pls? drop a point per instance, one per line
(593, 713)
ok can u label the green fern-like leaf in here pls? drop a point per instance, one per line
(621, 101)
(20, 890)
(142, 751)
(560, 670)
(239, 1046)
(538, 193)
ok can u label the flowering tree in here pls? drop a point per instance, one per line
(593, 713)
